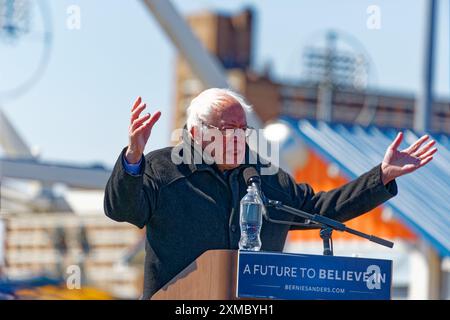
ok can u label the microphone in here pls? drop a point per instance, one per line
(252, 178)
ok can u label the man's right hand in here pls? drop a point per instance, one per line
(139, 131)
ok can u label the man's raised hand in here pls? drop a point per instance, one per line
(139, 131)
(397, 163)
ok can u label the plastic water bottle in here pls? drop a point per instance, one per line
(251, 210)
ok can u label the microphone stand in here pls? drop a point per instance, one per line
(316, 221)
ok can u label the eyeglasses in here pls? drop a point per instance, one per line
(230, 132)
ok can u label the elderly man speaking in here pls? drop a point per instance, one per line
(189, 207)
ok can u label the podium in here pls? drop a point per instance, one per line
(212, 276)
(233, 274)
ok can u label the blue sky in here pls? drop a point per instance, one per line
(78, 112)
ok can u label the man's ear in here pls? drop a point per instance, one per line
(195, 133)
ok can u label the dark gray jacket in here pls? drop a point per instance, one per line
(191, 208)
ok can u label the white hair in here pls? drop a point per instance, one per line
(203, 105)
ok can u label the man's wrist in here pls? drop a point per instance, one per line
(132, 157)
(385, 177)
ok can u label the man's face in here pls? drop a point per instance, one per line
(230, 115)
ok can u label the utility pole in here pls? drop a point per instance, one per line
(424, 102)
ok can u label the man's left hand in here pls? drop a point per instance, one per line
(397, 163)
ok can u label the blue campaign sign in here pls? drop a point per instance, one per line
(302, 276)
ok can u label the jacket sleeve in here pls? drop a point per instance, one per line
(349, 201)
(128, 197)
